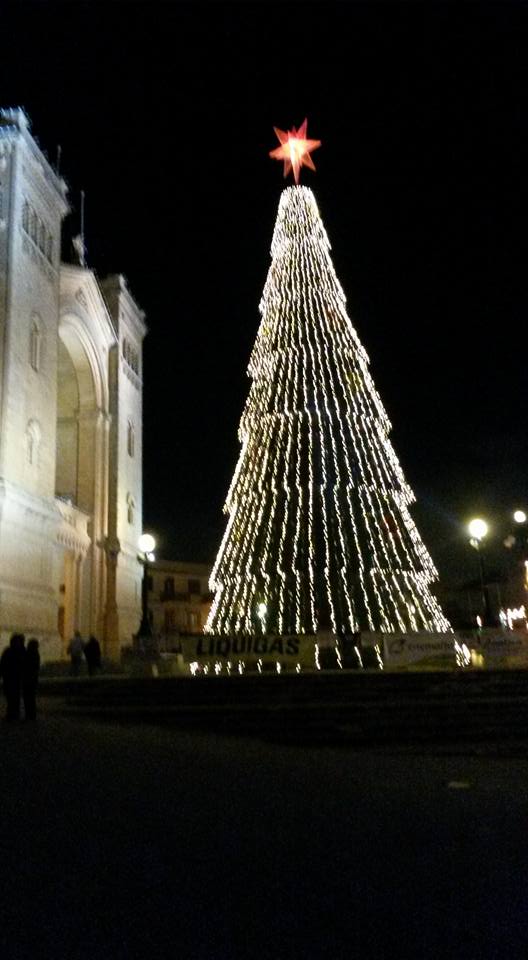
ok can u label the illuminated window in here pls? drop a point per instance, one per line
(131, 506)
(35, 343)
(25, 216)
(130, 439)
(33, 435)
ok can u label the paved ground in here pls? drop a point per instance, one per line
(125, 840)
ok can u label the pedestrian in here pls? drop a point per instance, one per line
(92, 652)
(75, 649)
(11, 670)
(30, 679)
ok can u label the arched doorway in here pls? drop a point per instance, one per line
(81, 477)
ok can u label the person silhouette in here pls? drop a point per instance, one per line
(92, 653)
(11, 670)
(30, 679)
(75, 649)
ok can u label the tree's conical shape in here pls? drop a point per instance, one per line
(319, 535)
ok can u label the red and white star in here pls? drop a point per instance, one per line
(295, 150)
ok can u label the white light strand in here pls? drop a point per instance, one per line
(319, 534)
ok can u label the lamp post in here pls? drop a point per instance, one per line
(146, 547)
(478, 529)
(518, 545)
(521, 541)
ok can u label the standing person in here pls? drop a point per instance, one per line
(11, 670)
(76, 649)
(92, 652)
(30, 679)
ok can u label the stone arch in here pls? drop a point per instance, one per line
(82, 402)
(89, 365)
(83, 451)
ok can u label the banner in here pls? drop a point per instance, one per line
(494, 644)
(252, 652)
(402, 649)
(207, 653)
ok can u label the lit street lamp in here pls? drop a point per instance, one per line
(146, 547)
(478, 529)
(520, 542)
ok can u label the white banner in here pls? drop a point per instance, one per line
(288, 651)
(313, 652)
(401, 649)
(496, 643)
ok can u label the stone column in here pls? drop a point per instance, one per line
(70, 597)
(78, 590)
(111, 643)
(93, 498)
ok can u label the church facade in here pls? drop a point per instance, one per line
(70, 421)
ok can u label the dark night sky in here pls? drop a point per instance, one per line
(165, 117)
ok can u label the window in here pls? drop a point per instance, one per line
(25, 216)
(131, 506)
(194, 586)
(33, 435)
(130, 439)
(1, 202)
(42, 237)
(35, 339)
(169, 587)
(49, 248)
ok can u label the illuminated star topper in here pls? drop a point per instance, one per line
(295, 150)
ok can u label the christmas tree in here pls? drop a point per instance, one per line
(319, 536)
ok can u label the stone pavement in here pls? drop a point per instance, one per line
(124, 839)
(361, 707)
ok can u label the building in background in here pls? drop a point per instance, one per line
(70, 421)
(178, 599)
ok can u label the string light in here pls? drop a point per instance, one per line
(319, 534)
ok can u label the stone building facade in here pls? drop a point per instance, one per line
(70, 421)
(178, 598)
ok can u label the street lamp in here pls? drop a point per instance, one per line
(478, 529)
(146, 547)
(522, 543)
